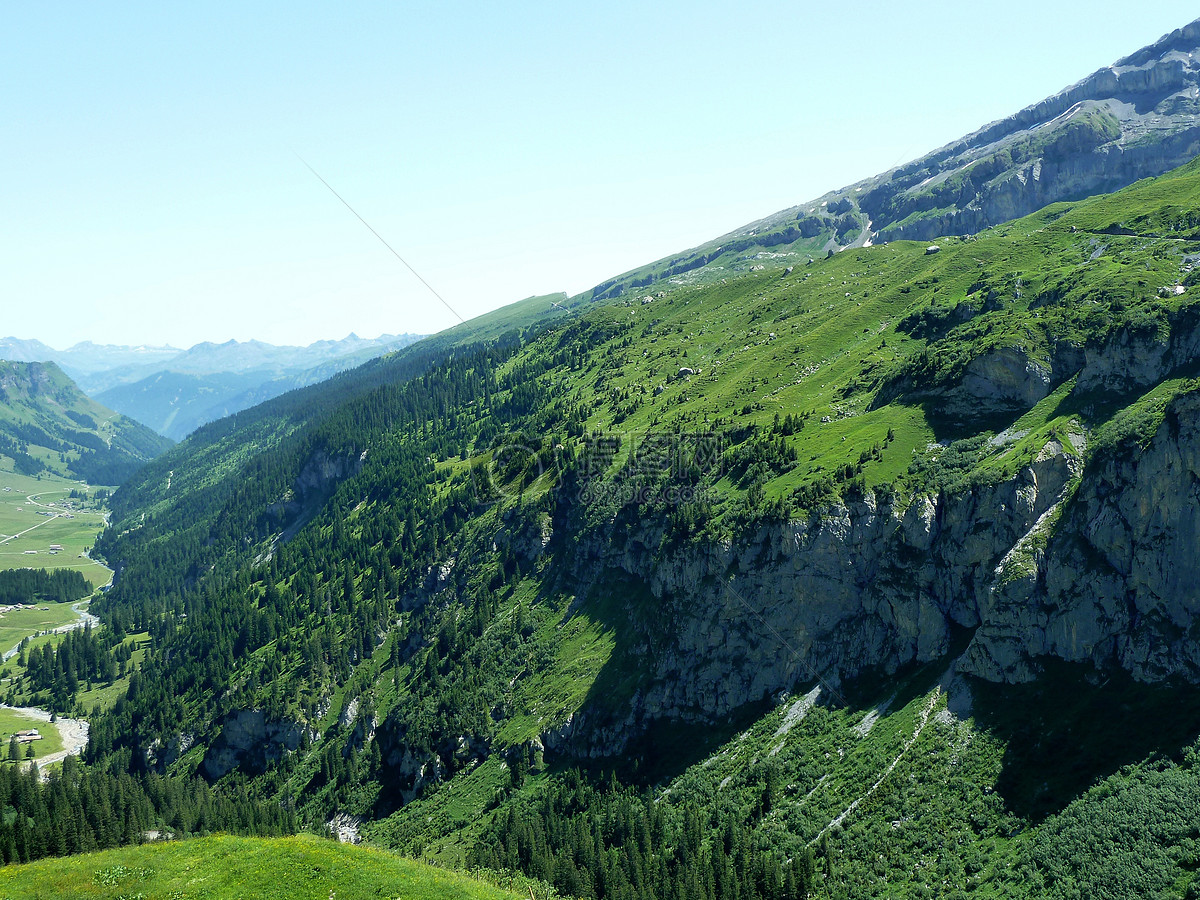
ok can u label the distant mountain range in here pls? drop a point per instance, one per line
(175, 391)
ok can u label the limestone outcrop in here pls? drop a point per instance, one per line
(1093, 563)
(248, 740)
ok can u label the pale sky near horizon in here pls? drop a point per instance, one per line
(154, 193)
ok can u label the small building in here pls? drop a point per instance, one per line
(56, 546)
(25, 737)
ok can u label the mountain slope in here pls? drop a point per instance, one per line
(176, 391)
(197, 390)
(46, 422)
(1134, 119)
(210, 381)
(869, 577)
(418, 592)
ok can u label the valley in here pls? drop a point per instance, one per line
(38, 516)
(784, 571)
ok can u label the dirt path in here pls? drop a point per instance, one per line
(27, 530)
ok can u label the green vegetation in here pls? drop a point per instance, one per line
(227, 867)
(47, 425)
(77, 809)
(17, 624)
(12, 722)
(23, 527)
(31, 586)
(419, 594)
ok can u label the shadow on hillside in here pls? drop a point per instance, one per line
(1075, 726)
(640, 623)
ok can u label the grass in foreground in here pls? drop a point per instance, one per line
(228, 867)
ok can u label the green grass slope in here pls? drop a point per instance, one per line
(38, 511)
(229, 868)
(48, 424)
(854, 373)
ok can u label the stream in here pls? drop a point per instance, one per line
(74, 732)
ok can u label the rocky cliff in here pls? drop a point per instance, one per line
(1131, 120)
(1082, 561)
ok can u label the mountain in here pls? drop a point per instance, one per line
(175, 391)
(257, 358)
(18, 350)
(47, 423)
(86, 358)
(210, 381)
(873, 576)
(175, 404)
(898, 537)
(1134, 119)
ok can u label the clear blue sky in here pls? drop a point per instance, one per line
(152, 191)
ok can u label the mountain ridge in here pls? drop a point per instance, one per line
(1112, 143)
(46, 422)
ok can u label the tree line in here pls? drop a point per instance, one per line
(29, 586)
(81, 809)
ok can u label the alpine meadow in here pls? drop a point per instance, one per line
(852, 554)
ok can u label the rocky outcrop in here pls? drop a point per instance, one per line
(869, 585)
(250, 742)
(1002, 379)
(318, 478)
(1131, 120)
(1093, 565)
(1132, 359)
(1119, 583)
(412, 769)
(1137, 118)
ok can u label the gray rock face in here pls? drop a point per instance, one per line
(317, 480)
(1137, 118)
(1005, 378)
(249, 741)
(865, 585)
(1131, 120)
(1095, 564)
(1136, 360)
(1120, 581)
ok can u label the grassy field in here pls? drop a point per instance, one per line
(24, 529)
(17, 624)
(226, 867)
(11, 722)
